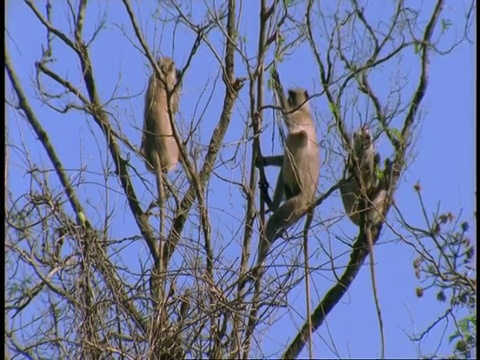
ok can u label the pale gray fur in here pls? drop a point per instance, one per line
(300, 171)
(158, 143)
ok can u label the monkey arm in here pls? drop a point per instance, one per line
(275, 160)
(288, 214)
(279, 187)
(350, 194)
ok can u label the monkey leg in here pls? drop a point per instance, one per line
(288, 214)
(351, 200)
(276, 160)
(375, 213)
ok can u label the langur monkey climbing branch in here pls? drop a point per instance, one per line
(300, 171)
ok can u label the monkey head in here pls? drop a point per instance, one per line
(362, 141)
(298, 98)
(161, 102)
(168, 73)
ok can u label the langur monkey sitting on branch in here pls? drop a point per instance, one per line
(299, 174)
(366, 163)
(159, 146)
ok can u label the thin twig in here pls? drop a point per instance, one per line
(308, 222)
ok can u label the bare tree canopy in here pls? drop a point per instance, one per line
(137, 188)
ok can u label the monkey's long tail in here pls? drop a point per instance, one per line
(307, 281)
(287, 215)
(257, 274)
(160, 290)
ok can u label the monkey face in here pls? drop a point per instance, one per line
(166, 65)
(291, 98)
(362, 140)
(168, 72)
(297, 97)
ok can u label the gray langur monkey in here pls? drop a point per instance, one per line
(299, 174)
(159, 146)
(366, 161)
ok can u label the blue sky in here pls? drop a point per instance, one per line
(443, 160)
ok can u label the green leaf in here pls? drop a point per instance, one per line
(333, 109)
(461, 346)
(417, 47)
(473, 319)
(81, 218)
(464, 325)
(280, 40)
(445, 24)
(395, 133)
(270, 84)
(330, 127)
(453, 337)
